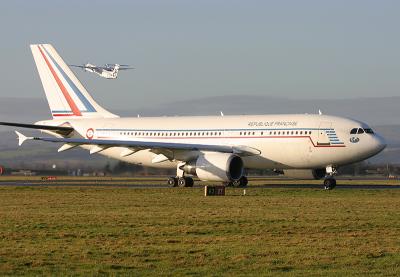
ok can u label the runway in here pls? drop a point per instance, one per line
(367, 185)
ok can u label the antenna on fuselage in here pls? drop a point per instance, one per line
(319, 112)
(222, 114)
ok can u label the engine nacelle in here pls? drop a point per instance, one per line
(210, 166)
(305, 174)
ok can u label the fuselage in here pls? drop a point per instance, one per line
(283, 141)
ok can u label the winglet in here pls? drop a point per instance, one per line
(21, 138)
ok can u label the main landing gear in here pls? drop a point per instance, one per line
(180, 182)
(329, 181)
(183, 181)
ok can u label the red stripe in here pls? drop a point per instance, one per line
(68, 114)
(70, 101)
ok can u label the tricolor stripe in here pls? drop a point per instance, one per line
(64, 91)
(78, 93)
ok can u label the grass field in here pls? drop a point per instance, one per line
(97, 230)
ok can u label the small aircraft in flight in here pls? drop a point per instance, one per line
(108, 71)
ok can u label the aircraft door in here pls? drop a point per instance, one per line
(323, 138)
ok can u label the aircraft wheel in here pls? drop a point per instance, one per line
(329, 184)
(181, 182)
(189, 182)
(235, 183)
(172, 181)
(243, 181)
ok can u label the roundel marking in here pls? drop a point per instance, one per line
(90, 133)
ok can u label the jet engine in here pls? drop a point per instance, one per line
(305, 174)
(210, 166)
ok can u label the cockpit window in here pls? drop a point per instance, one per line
(353, 131)
(361, 131)
(369, 131)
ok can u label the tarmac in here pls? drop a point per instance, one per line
(368, 185)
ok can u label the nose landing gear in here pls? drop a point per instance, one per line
(329, 181)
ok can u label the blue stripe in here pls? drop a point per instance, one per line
(200, 130)
(85, 102)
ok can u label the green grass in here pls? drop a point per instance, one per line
(295, 232)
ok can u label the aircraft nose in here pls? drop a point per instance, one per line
(379, 143)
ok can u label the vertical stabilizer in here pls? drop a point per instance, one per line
(66, 96)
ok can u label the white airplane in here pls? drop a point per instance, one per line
(108, 71)
(213, 148)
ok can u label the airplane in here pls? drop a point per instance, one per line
(108, 71)
(213, 148)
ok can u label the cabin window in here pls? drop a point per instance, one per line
(360, 131)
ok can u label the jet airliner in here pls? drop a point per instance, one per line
(213, 148)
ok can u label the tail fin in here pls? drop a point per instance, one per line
(66, 95)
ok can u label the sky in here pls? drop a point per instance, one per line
(184, 50)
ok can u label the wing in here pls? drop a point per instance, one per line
(137, 145)
(126, 68)
(80, 66)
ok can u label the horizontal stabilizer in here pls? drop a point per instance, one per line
(22, 138)
(58, 129)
